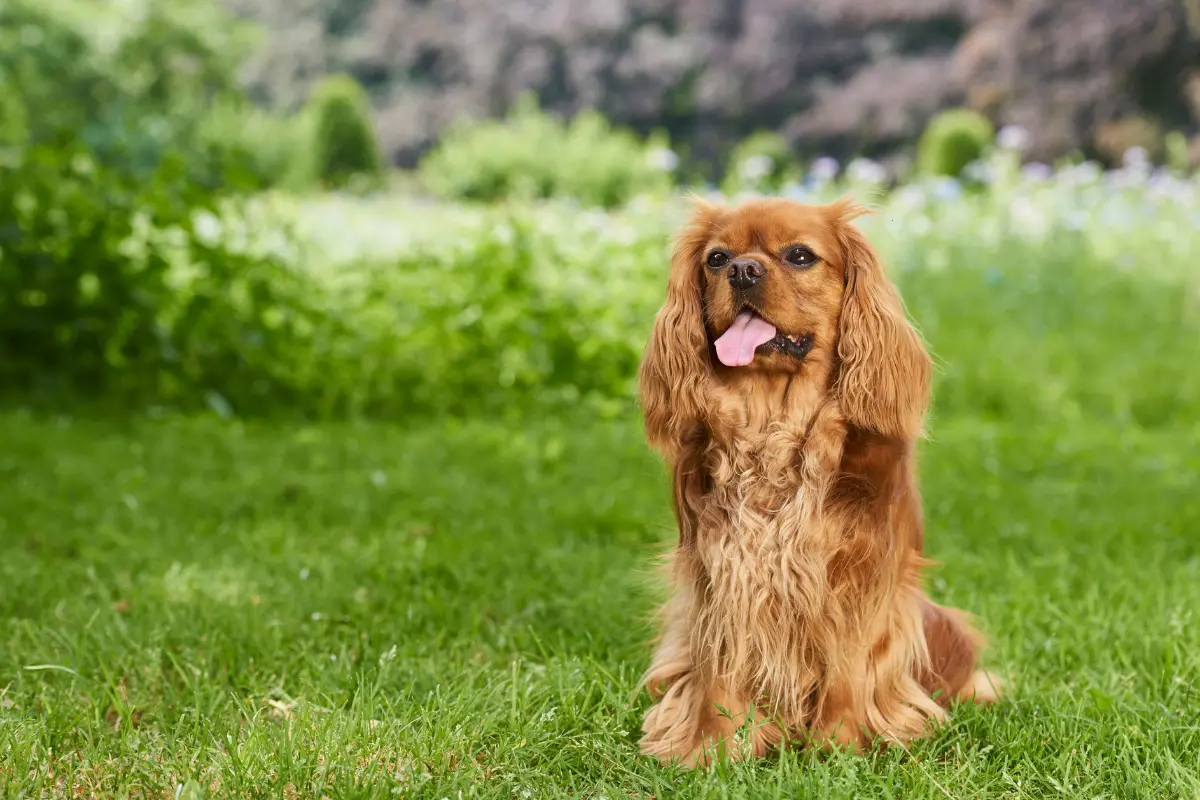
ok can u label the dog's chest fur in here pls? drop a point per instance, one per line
(767, 616)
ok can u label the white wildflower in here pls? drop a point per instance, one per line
(864, 170)
(1012, 137)
(207, 228)
(979, 171)
(662, 159)
(1135, 157)
(755, 167)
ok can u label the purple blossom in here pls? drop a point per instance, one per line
(824, 169)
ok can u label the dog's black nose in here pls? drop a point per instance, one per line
(745, 272)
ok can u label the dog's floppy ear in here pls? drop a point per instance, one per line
(676, 364)
(883, 383)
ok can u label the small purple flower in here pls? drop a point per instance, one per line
(1036, 172)
(824, 169)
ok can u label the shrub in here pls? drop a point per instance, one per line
(49, 78)
(129, 89)
(274, 149)
(762, 162)
(952, 140)
(535, 155)
(344, 146)
(109, 285)
(108, 282)
(1175, 148)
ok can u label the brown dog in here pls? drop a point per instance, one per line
(786, 388)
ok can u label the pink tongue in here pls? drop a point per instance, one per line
(736, 346)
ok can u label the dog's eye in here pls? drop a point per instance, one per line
(800, 257)
(717, 259)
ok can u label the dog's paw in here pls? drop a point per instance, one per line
(984, 688)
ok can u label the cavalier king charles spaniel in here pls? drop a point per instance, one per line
(786, 388)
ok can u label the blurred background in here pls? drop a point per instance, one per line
(321, 472)
(841, 78)
(240, 206)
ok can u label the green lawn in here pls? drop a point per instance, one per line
(192, 606)
(420, 608)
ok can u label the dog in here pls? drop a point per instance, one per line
(785, 387)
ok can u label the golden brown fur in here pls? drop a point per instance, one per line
(796, 593)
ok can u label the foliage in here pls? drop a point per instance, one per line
(1175, 149)
(108, 283)
(130, 87)
(126, 272)
(952, 140)
(411, 609)
(762, 162)
(391, 306)
(344, 147)
(48, 81)
(275, 149)
(462, 308)
(532, 154)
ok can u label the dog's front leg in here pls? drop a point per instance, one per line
(840, 722)
(697, 718)
(698, 722)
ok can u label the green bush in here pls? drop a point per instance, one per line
(109, 282)
(122, 276)
(1175, 147)
(952, 140)
(344, 147)
(123, 272)
(762, 162)
(273, 148)
(532, 154)
(50, 78)
(129, 87)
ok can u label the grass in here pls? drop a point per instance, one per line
(193, 606)
(200, 606)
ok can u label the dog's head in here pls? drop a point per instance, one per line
(766, 288)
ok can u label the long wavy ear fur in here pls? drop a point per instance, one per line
(676, 365)
(883, 384)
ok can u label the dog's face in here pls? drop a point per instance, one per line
(773, 280)
(771, 287)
